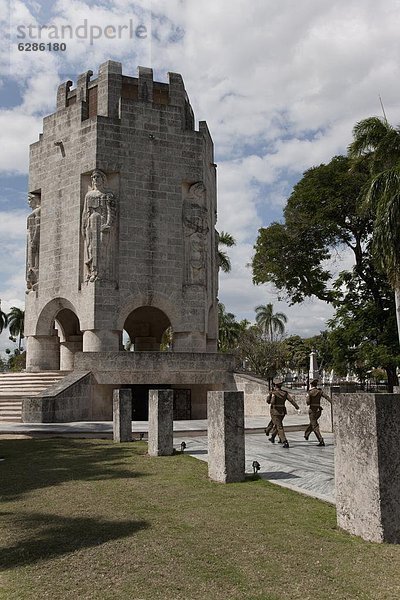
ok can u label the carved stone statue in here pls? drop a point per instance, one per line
(195, 219)
(99, 229)
(33, 241)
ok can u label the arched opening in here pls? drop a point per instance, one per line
(146, 327)
(57, 338)
(70, 336)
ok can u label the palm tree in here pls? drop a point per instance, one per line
(376, 141)
(3, 319)
(271, 323)
(229, 329)
(16, 324)
(225, 239)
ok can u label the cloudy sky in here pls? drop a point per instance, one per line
(280, 83)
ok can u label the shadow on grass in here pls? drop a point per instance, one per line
(36, 464)
(52, 535)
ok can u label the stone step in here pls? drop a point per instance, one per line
(16, 386)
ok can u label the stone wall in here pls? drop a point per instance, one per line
(367, 465)
(161, 252)
(65, 401)
(117, 368)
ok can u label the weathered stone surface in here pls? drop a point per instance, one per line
(160, 437)
(226, 452)
(153, 367)
(127, 190)
(367, 465)
(122, 415)
(140, 134)
(67, 400)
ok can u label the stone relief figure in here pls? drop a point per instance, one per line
(33, 240)
(195, 220)
(99, 229)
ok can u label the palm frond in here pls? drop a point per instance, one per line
(226, 239)
(367, 135)
(224, 261)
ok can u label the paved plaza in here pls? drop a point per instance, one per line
(304, 467)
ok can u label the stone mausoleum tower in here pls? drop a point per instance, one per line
(121, 236)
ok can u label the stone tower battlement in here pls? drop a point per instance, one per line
(122, 230)
(111, 93)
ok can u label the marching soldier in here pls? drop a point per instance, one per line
(314, 396)
(270, 428)
(278, 410)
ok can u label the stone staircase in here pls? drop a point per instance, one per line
(15, 386)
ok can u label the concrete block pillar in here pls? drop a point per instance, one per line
(62, 94)
(145, 84)
(109, 89)
(367, 465)
(190, 341)
(160, 438)
(122, 415)
(226, 451)
(101, 340)
(177, 93)
(67, 352)
(42, 353)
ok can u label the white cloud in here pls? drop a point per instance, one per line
(280, 84)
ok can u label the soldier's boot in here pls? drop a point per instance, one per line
(272, 439)
(306, 436)
(286, 444)
(321, 442)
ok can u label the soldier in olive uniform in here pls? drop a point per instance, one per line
(278, 410)
(314, 396)
(270, 428)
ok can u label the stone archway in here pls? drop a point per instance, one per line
(145, 326)
(70, 336)
(57, 337)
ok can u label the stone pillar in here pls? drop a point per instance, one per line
(62, 94)
(226, 454)
(160, 438)
(101, 340)
(190, 341)
(313, 372)
(42, 353)
(122, 415)
(367, 465)
(326, 418)
(67, 352)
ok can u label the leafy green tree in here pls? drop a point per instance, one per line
(270, 323)
(3, 319)
(16, 318)
(227, 240)
(362, 335)
(167, 339)
(323, 217)
(378, 143)
(262, 357)
(229, 329)
(17, 361)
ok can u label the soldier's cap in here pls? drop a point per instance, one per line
(314, 381)
(278, 381)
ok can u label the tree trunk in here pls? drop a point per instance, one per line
(397, 302)
(392, 377)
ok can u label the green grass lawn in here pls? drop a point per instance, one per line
(92, 519)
